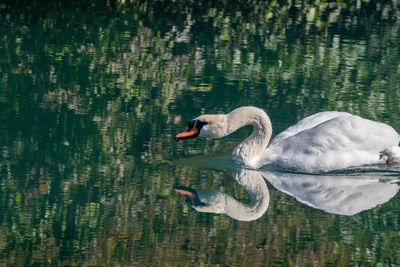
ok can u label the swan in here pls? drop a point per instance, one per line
(322, 142)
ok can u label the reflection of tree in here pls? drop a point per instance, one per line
(90, 93)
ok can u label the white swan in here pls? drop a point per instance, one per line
(322, 142)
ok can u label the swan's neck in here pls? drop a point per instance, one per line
(251, 150)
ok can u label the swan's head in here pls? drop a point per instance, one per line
(210, 126)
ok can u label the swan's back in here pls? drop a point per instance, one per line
(307, 123)
(330, 141)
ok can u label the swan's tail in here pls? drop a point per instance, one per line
(391, 155)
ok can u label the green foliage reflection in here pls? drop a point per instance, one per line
(92, 92)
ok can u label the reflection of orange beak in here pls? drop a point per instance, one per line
(191, 195)
(187, 134)
(186, 193)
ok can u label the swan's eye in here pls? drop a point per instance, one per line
(196, 123)
(190, 124)
(201, 123)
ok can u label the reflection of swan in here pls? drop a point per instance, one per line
(217, 202)
(339, 194)
(322, 142)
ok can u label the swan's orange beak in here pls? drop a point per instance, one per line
(187, 134)
(193, 130)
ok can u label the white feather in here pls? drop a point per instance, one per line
(329, 141)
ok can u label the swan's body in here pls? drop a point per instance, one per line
(322, 142)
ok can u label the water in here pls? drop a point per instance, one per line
(91, 96)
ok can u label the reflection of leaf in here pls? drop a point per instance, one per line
(202, 87)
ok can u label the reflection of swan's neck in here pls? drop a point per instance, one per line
(252, 149)
(253, 183)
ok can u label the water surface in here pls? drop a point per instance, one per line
(91, 96)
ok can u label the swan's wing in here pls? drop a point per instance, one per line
(337, 143)
(307, 123)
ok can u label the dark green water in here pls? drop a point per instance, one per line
(91, 96)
